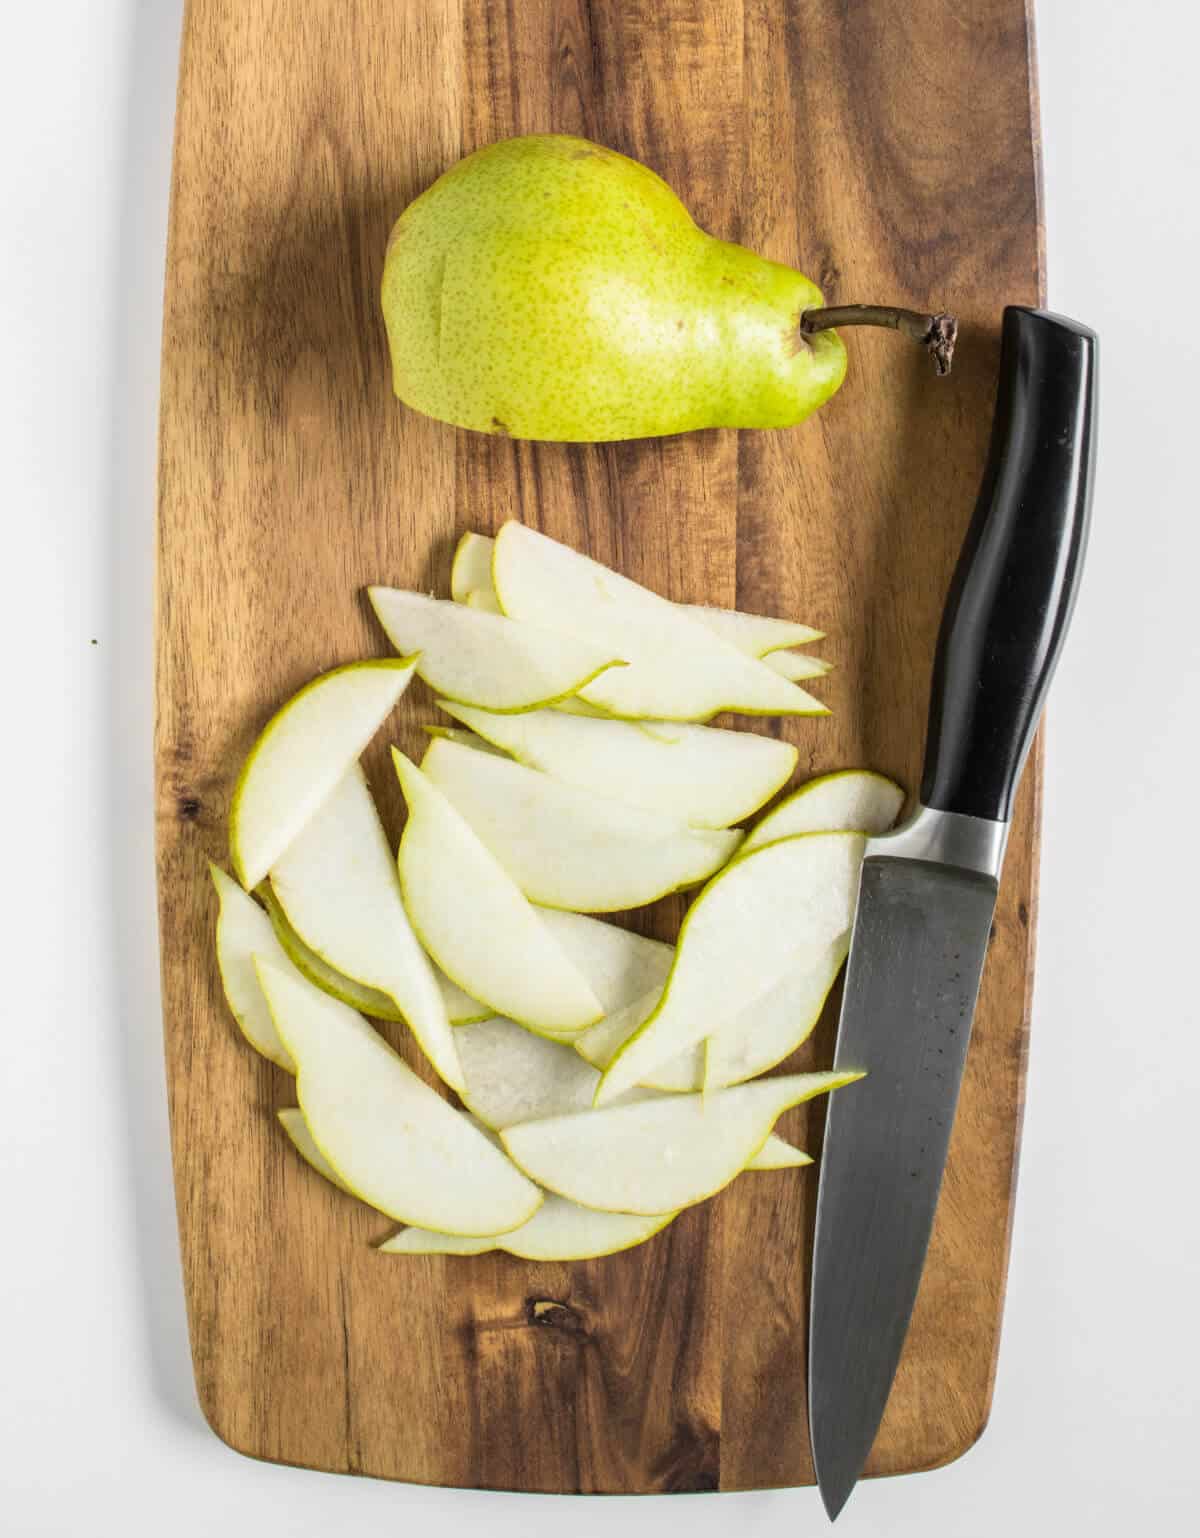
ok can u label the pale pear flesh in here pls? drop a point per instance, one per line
(244, 931)
(302, 753)
(461, 1008)
(474, 920)
(570, 848)
(391, 1140)
(739, 938)
(706, 776)
(291, 1119)
(619, 965)
(486, 659)
(471, 569)
(600, 1044)
(338, 886)
(798, 666)
(558, 1230)
(850, 798)
(679, 670)
(658, 1156)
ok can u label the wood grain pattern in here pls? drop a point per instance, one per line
(890, 152)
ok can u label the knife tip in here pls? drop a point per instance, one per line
(835, 1494)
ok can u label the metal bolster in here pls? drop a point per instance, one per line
(945, 838)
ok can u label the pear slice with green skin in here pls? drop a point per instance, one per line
(570, 848)
(391, 1140)
(514, 1076)
(659, 1155)
(244, 931)
(338, 886)
(797, 666)
(291, 1119)
(754, 634)
(464, 738)
(471, 568)
(600, 1043)
(486, 659)
(707, 776)
(850, 798)
(567, 1231)
(461, 1008)
(740, 937)
(474, 921)
(301, 754)
(679, 670)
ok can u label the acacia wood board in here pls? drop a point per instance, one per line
(888, 151)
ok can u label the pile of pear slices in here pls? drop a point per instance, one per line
(605, 1076)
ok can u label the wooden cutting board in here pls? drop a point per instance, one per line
(889, 151)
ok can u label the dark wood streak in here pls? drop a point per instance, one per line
(890, 152)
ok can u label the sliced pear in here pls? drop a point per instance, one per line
(464, 738)
(485, 601)
(570, 848)
(776, 1154)
(485, 659)
(659, 1155)
(851, 798)
(390, 1139)
(303, 751)
(461, 1008)
(678, 668)
(620, 966)
(601, 1042)
(740, 937)
(754, 634)
(244, 931)
(774, 1025)
(558, 1230)
(703, 775)
(473, 919)
(471, 569)
(338, 886)
(291, 1119)
(797, 666)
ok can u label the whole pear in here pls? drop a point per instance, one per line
(547, 287)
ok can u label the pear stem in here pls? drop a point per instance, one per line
(936, 333)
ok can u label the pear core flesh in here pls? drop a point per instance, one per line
(547, 287)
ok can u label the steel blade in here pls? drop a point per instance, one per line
(920, 936)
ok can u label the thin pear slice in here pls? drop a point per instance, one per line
(291, 1119)
(464, 738)
(392, 1141)
(703, 775)
(678, 669)
(774, 1025)
(471, 569)
(659, 1155)
(797, 666)
(851, 798)
(244, 931)
(740, 937)
(776, 1154)
(461, 1008)
(558, 1230)
(338, 886)
(474, 921)
(485, 659)
(570, 848)
(485, 601)
(601, 1043)
(303, 751)
(620, 966)
(754, 634)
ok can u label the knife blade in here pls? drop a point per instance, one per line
(927, 891)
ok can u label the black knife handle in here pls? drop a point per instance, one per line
(1016, 579)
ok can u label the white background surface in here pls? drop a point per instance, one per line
(1096, 1408)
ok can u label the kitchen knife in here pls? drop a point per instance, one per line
(927, 891)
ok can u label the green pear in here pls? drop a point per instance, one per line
(547, 287)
